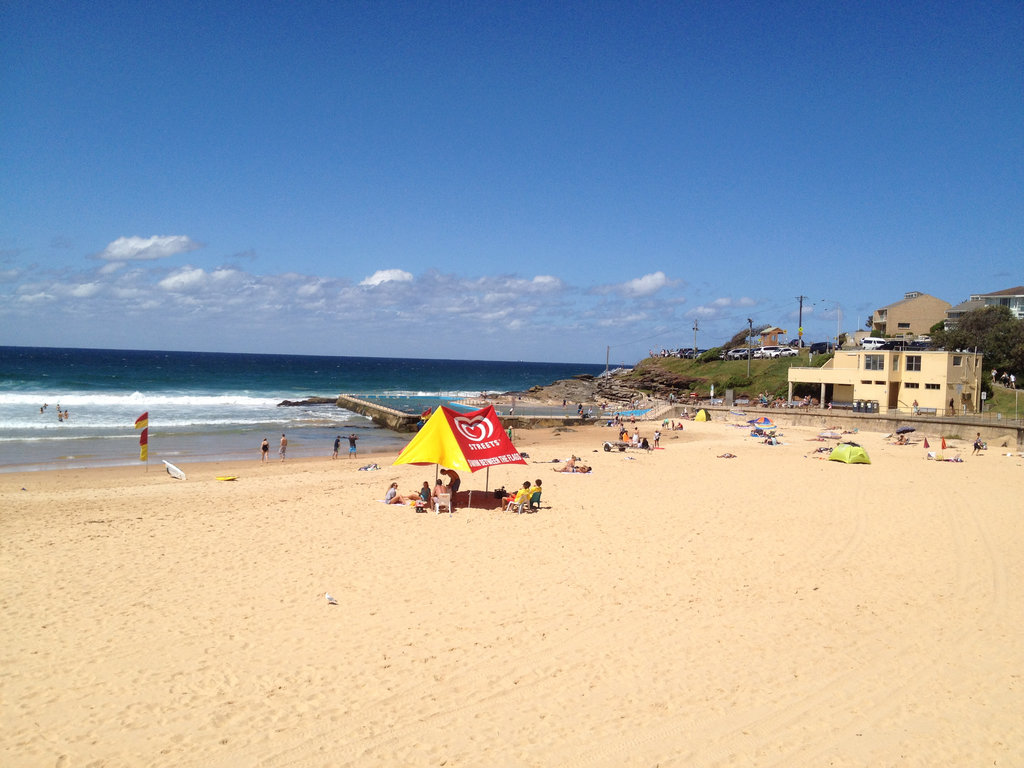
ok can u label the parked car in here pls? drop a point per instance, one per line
(820, 348)
(737, 353)
(787, 352)
(766, 352)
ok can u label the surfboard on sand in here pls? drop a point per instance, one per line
(227, 477)
(173, 471)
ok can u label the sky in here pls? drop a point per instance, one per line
(544, 181)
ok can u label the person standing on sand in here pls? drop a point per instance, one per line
(337, 445)
(284, 447)
(264, 450)
(352, 444)
(454, 481)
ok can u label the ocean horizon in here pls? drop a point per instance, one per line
(210, 406)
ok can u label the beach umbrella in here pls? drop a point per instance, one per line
(904, 430)
(849, 453)
(762, 422)
(466, 441)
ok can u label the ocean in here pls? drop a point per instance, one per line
(209, 406)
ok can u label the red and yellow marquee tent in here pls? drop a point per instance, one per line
(454, 440)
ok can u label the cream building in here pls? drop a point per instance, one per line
(914, 315)
(1012, 298)
(895, 378)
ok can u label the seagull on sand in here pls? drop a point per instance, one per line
(330, 600)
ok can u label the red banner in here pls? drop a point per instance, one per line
(482, 439)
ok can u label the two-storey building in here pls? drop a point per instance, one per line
(938, 381)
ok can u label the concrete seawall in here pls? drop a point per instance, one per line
(399, 421)
(379, 414)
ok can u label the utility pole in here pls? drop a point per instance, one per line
(750, 332)
(800, 329)
(695, 339)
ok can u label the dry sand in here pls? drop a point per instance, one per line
(672, 608)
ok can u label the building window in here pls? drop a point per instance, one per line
(874, 362)
(911, 385)
(913, 362)
(933, 386)
(957, 361)
(903, 326)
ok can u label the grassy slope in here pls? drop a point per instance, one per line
(765, 375)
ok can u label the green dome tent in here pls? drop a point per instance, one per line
(849, 453)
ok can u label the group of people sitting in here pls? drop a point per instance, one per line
(426, 496)
(527, 497)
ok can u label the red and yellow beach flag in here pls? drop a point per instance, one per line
(143, 423)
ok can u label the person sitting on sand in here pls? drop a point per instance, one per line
(393, 496)
(570, 465)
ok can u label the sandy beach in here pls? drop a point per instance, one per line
(672, 608)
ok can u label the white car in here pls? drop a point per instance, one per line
(767, 352)
(787, 352)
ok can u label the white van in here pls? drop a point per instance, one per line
(871, 342)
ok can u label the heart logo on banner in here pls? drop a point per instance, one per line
(476, 430)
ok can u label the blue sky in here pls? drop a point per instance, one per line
(537, 181)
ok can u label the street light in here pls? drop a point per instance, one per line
(839, 320)
(750, 332)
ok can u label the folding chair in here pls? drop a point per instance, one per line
(443, 500)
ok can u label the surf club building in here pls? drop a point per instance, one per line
(891, 380)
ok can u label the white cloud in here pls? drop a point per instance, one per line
(147, 248)
(547, 283)
(85, 290)
(382, 276)
(183, 279)
(646, 285)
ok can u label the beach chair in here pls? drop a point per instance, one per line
(535, 501)
(442, 501)
(514, 506)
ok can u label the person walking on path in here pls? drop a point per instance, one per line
(284, 447)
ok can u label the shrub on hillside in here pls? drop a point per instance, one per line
(710, 356)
